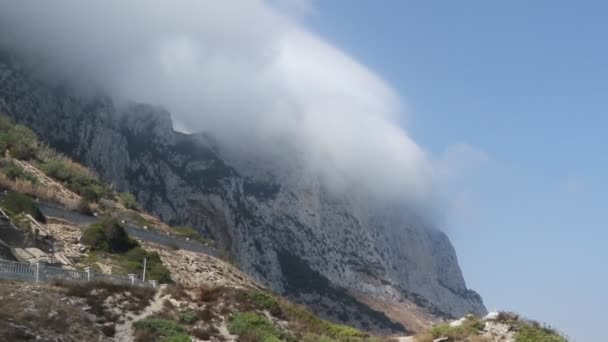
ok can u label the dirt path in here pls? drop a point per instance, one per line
(406, 339)
(124, 330)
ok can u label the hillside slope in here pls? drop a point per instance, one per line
(206, 299)
(286, 231)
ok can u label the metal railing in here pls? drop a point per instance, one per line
(41, 273)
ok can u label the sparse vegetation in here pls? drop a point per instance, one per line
(128, 201)
(188, 317)
(22, 143)
(158, 329)
(19, 140)
(84, 207)
(15, 203)
(15, 172)
(472, 329)
(110, 237)
(264, 301)
(537, 333)
(75, 177)
(96, 293)
(132, 262)
(188, 232)
(255, 327)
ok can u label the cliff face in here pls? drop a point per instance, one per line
(285, 230)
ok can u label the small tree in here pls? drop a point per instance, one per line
(108, 236)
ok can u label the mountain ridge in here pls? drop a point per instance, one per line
(267, 227)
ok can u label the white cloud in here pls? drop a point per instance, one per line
(242, 70)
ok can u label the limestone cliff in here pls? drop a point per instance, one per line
(286, 230)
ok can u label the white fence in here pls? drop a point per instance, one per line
(40, 273)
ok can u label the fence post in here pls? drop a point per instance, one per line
(88, 270)
(37, 272)
(132, 277)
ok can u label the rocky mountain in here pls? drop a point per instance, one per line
(285, 229)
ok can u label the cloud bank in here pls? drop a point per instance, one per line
(243, 71)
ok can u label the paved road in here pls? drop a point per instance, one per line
(53, 210)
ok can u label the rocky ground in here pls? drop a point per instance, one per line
(191, 269)
(494, 327)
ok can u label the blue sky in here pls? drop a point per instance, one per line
(522, 84)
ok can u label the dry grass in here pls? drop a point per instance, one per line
(97, 294)
(41, 191)
(29, 311)
(178, 292)
(46, 153)
(211, 294)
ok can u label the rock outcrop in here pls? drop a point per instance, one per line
(287, 231)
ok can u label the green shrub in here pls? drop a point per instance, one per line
(57, 170)
(163, 329)
(21, 142)
(188, 317)
(251, 324)
(15, 203)
(128, 200)
(342, 332)
(469, 327)
(264, 301)
(95, 238)
(132, 262)
(108, 236)
(75, 178)
(13, 171)
(530, 333)
(84, 207)
(90, 192)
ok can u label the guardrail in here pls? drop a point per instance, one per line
(41, 273)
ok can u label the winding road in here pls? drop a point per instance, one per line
(53, 210)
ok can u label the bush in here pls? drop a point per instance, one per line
(156, 328)
(470, 327)
(108, 236)
(342, 332)
(15, 203)
(250, 324)
(90, 192)
(132, 262)
(13, 171)
(75, 177)
(95, 238)
(84, 208)
(129, 201)
(264, 301)
(530, 333)
(21, 142)
(188, 317)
